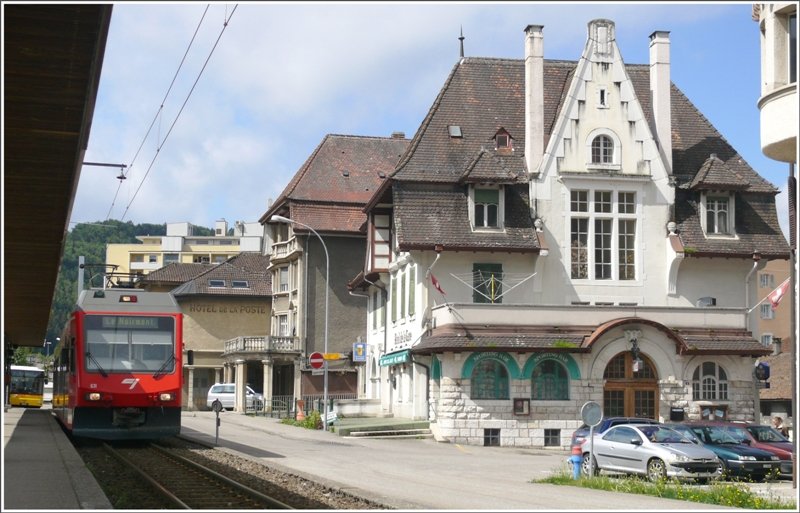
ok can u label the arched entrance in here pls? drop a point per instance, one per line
(628, 392)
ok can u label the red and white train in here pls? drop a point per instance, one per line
(117, 371)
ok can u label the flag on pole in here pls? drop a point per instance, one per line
(436, 285)
(776, 295)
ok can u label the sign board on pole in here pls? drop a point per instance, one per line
(315, 360)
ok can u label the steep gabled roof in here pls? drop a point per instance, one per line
(488, 166)
(249, 267)
(342, 170)
(482, 95)
(428, 215)
(716, 175)
(174, 273)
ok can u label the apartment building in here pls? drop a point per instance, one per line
(180, 245)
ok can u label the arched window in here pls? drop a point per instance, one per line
(709, 383)
(549, 382)
(602, 150)
(489, 380)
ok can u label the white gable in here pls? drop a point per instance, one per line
(601, 100)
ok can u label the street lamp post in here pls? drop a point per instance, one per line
(280, 219)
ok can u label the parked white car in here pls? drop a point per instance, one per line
(226, 393)
(651, 450)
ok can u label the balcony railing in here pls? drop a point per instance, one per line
(586, 315)
(272, 344)
(285, 249)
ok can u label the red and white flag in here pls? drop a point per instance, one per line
(436, 285)
(776, 295)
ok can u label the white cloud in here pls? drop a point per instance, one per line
(284, 75)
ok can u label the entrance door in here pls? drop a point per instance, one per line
(283, 380)
(629, 393)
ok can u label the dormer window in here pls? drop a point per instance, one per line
(717, 214)
(502, 140)
(486, 207)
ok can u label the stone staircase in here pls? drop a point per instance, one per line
(390, 430)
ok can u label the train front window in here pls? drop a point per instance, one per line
(124, 343)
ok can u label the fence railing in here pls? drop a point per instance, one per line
(283, 406)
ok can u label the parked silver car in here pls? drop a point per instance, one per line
(651, 450)
(226, 392)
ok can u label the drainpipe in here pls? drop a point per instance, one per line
(756, 259)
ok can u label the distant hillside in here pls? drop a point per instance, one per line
(89, 240)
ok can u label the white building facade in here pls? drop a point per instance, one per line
(562, 232)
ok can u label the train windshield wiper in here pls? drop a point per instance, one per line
(163, 368)
(99, 368)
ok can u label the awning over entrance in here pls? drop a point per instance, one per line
(395, 358)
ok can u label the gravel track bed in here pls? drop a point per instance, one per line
(125, 490)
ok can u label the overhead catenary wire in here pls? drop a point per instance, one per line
(158, 111)
(183, 105)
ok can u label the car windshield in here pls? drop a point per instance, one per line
(766, 434)
(720, 435)
(687, 432)
(737, 433)
(664, 435)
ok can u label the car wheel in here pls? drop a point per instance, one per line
(722, 470)
(656, 470)
(585, 467)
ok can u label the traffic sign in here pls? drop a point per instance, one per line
(316, 360)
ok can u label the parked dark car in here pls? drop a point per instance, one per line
(770, 439)
(736, 459)
(780, 446)
(582, 433)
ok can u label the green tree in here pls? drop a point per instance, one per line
(89, 241)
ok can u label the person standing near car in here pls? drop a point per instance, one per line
(777, 423)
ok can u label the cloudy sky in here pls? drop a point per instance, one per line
(244, 104)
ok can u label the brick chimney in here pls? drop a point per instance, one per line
(534, 97)
(660, 92)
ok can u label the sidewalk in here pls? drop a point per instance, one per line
(421, 473)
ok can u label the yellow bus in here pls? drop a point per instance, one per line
(27, 386)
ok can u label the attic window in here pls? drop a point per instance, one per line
(240, 284)
(454, 131)
(718, 214)
(345, 173)
(602, 98)
(381, 174)
(502, 139)
(216, 283)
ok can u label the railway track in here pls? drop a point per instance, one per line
(187, 484)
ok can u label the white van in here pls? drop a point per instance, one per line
(226, 393)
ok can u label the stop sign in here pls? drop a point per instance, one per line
(316, 360)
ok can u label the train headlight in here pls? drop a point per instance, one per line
(166, 396)
(94, 396)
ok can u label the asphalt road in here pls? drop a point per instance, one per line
(416, 473)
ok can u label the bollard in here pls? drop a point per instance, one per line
(576, 459)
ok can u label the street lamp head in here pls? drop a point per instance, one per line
(280, 219)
